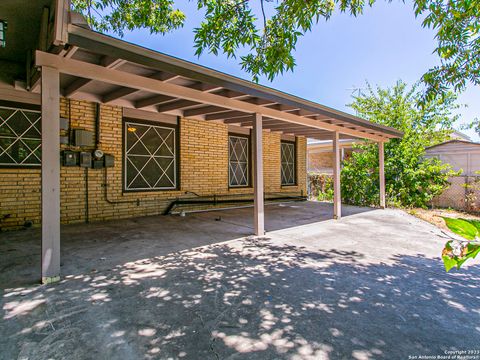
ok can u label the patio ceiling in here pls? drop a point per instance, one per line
(100, 68)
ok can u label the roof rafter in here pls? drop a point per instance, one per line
(225, 115)
(203, 110)
(153, 100)
(78, 84)
(175, 105)
(125, 91)
(117, 77)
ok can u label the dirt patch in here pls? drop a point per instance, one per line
(434, 216)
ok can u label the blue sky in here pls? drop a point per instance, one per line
(383, 45)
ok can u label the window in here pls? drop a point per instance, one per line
(288, 155)
(20, 137)
(150, 156)
(238, 164)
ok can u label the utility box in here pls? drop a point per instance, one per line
(85, 159)
(83, 138)
(109, 160)
(97, 164)
(64, 124)
(69, 158)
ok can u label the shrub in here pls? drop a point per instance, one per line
(410, 178)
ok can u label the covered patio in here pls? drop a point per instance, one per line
(81, 64)
(200, 287)
(105, 245)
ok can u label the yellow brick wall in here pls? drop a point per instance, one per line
(322, 161)
(318, 161)
(203, 170)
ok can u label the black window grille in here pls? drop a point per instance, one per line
(20, 137)
(238, 165)
(288, 173)
(150, 157)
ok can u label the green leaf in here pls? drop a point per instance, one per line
(462, 227)
(475, 223)
(449, 262)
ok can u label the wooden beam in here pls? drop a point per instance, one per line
(175, 105)
(282, 107)
(75, 86)
(60, 27)
(225, 115)
(258, 101)
(117, 94)
(241, 120)
(301, 112)
(153, 100)
(125, 91)
(50, 175)
(284, 126)
(205, 87)
(230, 94)
(381, 173)
(78, 84)
(43, 35)
(258, 219)
(68, 51)
(121, 78)
(164, 76)
(204, 110)
(337, 195)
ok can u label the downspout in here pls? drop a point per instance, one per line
(87, 209)
(97, 126)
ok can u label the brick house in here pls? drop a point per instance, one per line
(95, 128)
(320, 155)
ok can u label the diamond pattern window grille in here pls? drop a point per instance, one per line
(238, 173)
(288, 163)
(150, 157)
(20, 137)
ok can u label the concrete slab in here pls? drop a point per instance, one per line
(371, 285)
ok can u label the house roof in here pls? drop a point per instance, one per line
(455, 141)
(328, 144)
(458, 135)
(98, 67)
(157, 61)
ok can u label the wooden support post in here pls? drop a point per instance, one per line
(259, 221)
(381, 173)
(337, 196)
(50, 175)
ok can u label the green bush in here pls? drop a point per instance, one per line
(321, 186)
(411, 179)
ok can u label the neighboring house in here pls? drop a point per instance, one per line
(458, 135)
(95, 128)
(460, 154)
(463, 156)
(320, 155)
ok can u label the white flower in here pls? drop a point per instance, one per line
(457, 247)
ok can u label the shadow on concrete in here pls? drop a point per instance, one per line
(103, 245)
(250, 299)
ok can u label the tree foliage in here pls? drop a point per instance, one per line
(158, 16)
(475, 125)
(411, 179)
(269, 36)
(457, 25)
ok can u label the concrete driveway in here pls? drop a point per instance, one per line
(371, 285)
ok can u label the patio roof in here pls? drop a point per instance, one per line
(104, 69)
(75, 62)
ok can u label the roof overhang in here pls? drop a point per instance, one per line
(104, 69)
